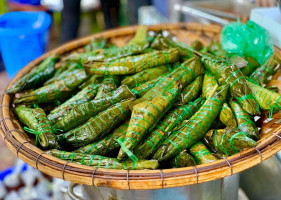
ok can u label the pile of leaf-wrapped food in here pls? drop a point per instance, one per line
(150, 104)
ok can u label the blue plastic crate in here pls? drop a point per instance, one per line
(23, 37)
(30, 2)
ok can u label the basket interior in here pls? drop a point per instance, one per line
(22, 145)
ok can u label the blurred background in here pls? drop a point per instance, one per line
(26, 35)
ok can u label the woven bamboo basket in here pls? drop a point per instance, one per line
(23, 146)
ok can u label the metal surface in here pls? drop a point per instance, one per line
(211, 10)
(263, 181)
(216, 12)
(231, 7)
(194, 12)
(222, 189)
(71, 192)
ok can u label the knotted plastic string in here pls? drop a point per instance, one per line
(233, 137)
(136, 92)
(36, 133)
(273, 107)
(127, 151)
(56, 130)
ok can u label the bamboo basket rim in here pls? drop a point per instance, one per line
(129, 179)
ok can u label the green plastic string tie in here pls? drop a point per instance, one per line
(271, 110)
(233, 148)
(253, 81)
(125, 165)
(127, 151)
(248, 96)
(223, 108)
(176, 145)
(72, 158)
(134, 165)
(136, 92)
(223, 148)
(83, 159)
(36, 133)
(215, 139)
(100, 161)
(56, 130)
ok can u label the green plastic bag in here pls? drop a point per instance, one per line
(247, 40)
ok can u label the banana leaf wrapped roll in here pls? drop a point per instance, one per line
(140, 37)
(108, 84)
(239, 61)
(194, 129)
(161, 43)
(226, 73)
(245, 122)
(85, 95)
(228, 141)
(202, 154)
(95, 79)
(251, 66)
(36, 77)
(144, 76)
(197, 45)
(186, 54)
(272, 88)
(184, 159)
(57, 91)
(246, 64)
(142, 89)
(96, 44)
(58, 71)
(209, 82)
(83, 112)
(107, 144)
(190, 92)
(162, 87)
(132, 64)
(103, 162)
(108, 54)
(262, 73)
(267, 99)
(171, 120)
(216, 49)
(188, 71)
(182, 75)
(227, 117)
(96, 127)
(144, 118)
(72, 68)
(36, 121)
